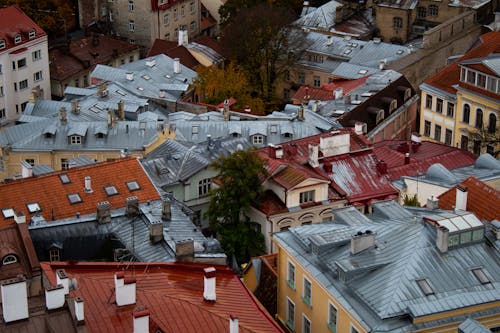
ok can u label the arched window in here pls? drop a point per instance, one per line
(9, 259)
(479, 118)
(492, 123)
(466, 114)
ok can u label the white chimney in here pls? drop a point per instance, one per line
(209, 284)
(329, 40)
(432, 203)
(339, 92)
(26, 169)
(124, 290)
(359, 128)
(54, 297)
(461, 198)
(177, 66)
(362, 241)
(233, 324)
(62, 278)
(130, 76)
(14, 299)
(88, 185)
(19, 217)
(141, 321)
(183, 38)
(119, 278)
(313, 156)
(442, 234)
(162, 93)
(79, 309)
(381, 64)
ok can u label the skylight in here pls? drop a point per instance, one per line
(362, 71)
(64, 178)
(8, 213)
(121, 93)
(481, 275)
(140, 88)
(33, 207)
(110, 190)
(400, 52)
(133, 186)
(74, 198)
(425, 287)
(146, 77)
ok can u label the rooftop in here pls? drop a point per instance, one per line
(16, 28)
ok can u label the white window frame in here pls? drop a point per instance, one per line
(307, 196)
(36, 55)
(288, 322)
(32, 34)
(38, 76)
(75, 139)
(9, 259)
(54, 255)
(290, 267)
(332, 324)
(166, 19)
(130, 5)
(131, 25)
(23, 84)
(304, 320)
(204, 186)
(353, 329)
(17, 39)
(258, 139)
(306, 298)
(2, 43)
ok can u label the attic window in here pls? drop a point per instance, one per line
(17, 39)
(425, 287)
(74, 198)
(33, 207)
(480, 275)
(9, 259)
(2, 43)
(133, 186)
(8, 213)
(64, 178)
(75, 139)
(32, 34)
(110, 190)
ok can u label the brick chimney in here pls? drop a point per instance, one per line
(184, 250)
(121, 110)
(14, 299)
(166, 212)
(300, 113)
(461, 198)
(74, 107)
(124, 289)
(132, 206)
(62, 278)
(362, 241)
(63, 115)
(54, 297)
(209, 293)
(111, 118)
(233, 324)
(141, 321)
(156, 231)
(103, 212)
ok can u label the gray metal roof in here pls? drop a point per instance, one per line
(40, 169)
(378, 285)
(472, 326)
(322, 17)
(208, 52)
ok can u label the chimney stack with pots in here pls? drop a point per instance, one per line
(156, 231)
(103, 212)
(14, 299)
(209, 292)
(132, 206)
(362, 241)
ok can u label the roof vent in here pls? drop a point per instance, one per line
(88, 185)
(129, 76)
(103, 212)
(150, 62)
(362, 241)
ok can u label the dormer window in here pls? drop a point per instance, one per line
(9, 259)
(2, 43)
(393, 106)
(8, 213)
(75, 140)
(17, 39)
(33, 207)
(32, 34)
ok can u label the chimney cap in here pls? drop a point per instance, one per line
(141, 313)
(209, 272)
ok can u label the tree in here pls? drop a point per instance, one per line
(239, 188)
(411, 201)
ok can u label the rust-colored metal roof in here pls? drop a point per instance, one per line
(173, 50)
(52, 195)
(14, 22)
(172, 292)
(482, 199)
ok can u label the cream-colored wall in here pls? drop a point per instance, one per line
(320, 192)
(422, 190)
(182, 20)
(435, 118)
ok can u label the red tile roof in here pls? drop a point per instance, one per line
(482, 199)
(450, 75)
(427, 154)
(52, 195)
(14, 22)
(327, 91)
(172, 292)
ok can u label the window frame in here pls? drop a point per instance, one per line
(307, 196)
(290, 273)
(466, 111)
(204, 187)
(306, 298)
(131, 25)
(9, 259)
(433, 10)
(437, 130)
(332, 324)
(305, 320)
(290, 319)
(258, 139)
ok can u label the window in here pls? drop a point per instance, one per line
(75, 140)
(2, 43)
(258, 139)
(183, 11)
(302, 78)
(36, 55)
(354, 330)
(479, 119)
(465, 237)
(307, 196)
(191, 7)
(464, 142)
(17, 39)
(64, 178)
(176, 15)
(2, 114)
(54, 255)
(481, 80)
(1, 91)
(33, 207)
(433, 10)
(9, 259)
(492, 123)
(466, 114)
(30, 161)
(421, 12)
(439, 105)
(332, 317)
(490, 149)
(131, 25)
(166, 19)
(307, 289)
(450, 111)
(397, 23)
(37, 76)
(192, 26)
(74, 198)
(476, 147)
(133, 186)
(425, 287)
(23, 84)
(204, 186)
(290, 314)
(437, 133)
(167, 36)
(23, 106)
(480, 275)
(306, 324)
(290, 275)
(130, 5)
(428, 101)
(492, 84)
(317, 81)
(471, 77)
(448, 136)
(64, 164)
(427, 128)
(110, 190)
(86, 78)
(21, 63)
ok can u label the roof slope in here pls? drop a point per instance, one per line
(172, 292)
(15, 22)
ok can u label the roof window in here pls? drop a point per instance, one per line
(17, 39)
(64, 178)
(2, 43)
(110, 190)
(32, 34)
(8, 213)
(74, 198)
(133, 186)
(481, 275)
(33, 207)
(425, 287)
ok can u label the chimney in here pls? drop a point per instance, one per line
(26, 169)
(103, 212)
(377, 40)
(432, 203)
(183, 38)
(63, 116)
(102, 89)
(119, 279)
(442, 234)
(347, 99)
(62, 278)
(300, 113)
(315, 106)
(141, 321)
(177, 65)
(125, 291)
(209, 141)
(20, 218)
(313, 156)
(381, 65)
(156, 231)
(79, 310)
(14, 299)
(407, 158)
(339, 92)
(162, 93)
(278, 152)
(495, 228)
(362, 241)
(184, 250)
(129, 76)
(121, 110)
(88, 185)
(233, 324)
(225, 111)
(74, 107)
(359, 128)
(329, 40)
(461, 198)
(54, 297)
(166, 213)
(382, 167)
(132, 206)
(209, 284)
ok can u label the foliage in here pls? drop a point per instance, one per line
(230, 203)
(411, 201)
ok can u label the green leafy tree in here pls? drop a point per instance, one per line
(411, 201)
(239, 188)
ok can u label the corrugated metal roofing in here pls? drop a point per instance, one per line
(472, 326)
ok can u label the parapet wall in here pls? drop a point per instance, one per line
(447, 30)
